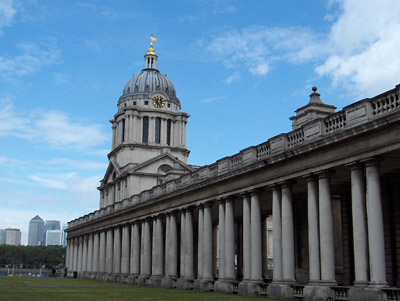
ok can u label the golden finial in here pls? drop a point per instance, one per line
(151, 49)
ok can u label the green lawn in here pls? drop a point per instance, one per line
(29, 288)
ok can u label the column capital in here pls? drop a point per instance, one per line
(374, 161)
(275, 186)
(310, 177)
(354, 165)
(326, 173)
(188, 208)
(254, 191)
(287, 183)
(208, 203)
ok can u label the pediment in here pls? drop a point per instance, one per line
(113, 171)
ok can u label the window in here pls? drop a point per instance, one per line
(134, 103)
(165, 168)
(169, 131)
(123, 130)
(146, 102)
(158, 130)
(145, 132)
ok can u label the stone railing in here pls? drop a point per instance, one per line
(392, 294)
(356, 114)
(341, 292)
(298, 291)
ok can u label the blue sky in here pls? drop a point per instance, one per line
(240, 69)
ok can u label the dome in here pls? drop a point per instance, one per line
(149, 81)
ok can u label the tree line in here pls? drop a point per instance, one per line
(32, 255)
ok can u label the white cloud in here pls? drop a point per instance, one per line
(359, 52)
(233, 77)
(53, 128)
(256, 47)
(212, 98)
(364, 43)
(60, 78)
(7, 13)
(32, 58)
(70, 182)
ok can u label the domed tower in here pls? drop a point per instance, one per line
(149, 135)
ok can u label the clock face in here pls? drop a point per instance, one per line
(158, 101)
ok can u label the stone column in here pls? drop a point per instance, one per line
(288, 268)
(200, 238)
(109, 251)
(146, 249)
(160, 246)
(313, 233)
(125, 250)
(376, 237)
(359, 225)
(277, 232)
(96, 251)
(135, 249)
(246, 237)
(75, 256)
(326, 229)
(167, 271)
(229, 240)
(183, 245)
(102, 252)
(117, 251)
(154, 248)
(173, 248)
(256, 238)
(207, 242)
(80, 253)
(89, 266)
(189, 274)
(221, 240)
(84, 253)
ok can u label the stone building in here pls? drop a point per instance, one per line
(330, 187)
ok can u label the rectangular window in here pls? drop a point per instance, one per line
(169, 132)
(145, 132)
(158, 130)
(123, 130)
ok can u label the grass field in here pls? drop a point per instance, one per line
(29, 288)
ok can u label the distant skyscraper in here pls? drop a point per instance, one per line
(13, 237)
(36, 231)
(2, 236)
(54, 237)
(64, 235)
(52, 225)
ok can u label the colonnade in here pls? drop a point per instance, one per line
(157, 250)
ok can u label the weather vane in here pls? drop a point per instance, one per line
(152, 39)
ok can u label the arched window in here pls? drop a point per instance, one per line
(129, 90)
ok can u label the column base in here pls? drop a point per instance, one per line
(366, 294)
(361, 283)
(318, 292)
(169, 282)
(252, 288)
(204, 285)
(185, 284)
(281, 289)
(226, 285)
(143, 280)
(377, 284)
(156, 280)
(132, 279)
